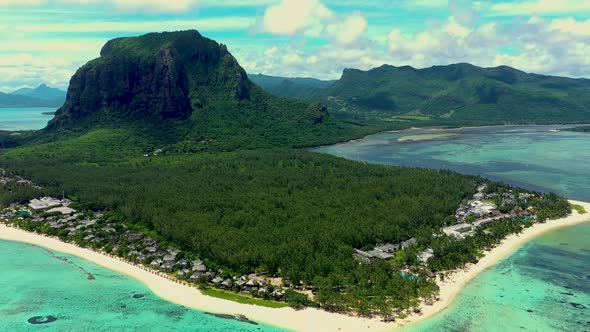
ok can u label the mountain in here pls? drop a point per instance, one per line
(293, 87)
(458, 94)
(42, 96)
(43, 92)
(182, 88)
(463, 94)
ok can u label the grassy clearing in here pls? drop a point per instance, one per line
(580, 209)
(245, 299)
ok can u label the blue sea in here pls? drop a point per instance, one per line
(16, 119)
(40, 285)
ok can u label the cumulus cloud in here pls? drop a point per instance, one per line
(25, 70)
(313, 18)
(551, 46)
(148, 6)
(541, 7)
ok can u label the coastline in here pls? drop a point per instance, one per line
(452, 286)
(309, 319)
(304, 320)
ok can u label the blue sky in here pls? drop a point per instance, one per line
(45, 41)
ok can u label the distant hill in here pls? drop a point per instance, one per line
(463, 94)
(42, 92)
(42, 96)
(292, 87)
(459, 94)
(183, 89)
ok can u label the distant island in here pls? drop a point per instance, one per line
(176, 165)
(41, 96)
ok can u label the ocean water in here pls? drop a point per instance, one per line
(532, 157)
(545, 284)
(24, 118)
(40, 284)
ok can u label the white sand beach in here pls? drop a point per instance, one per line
(304, 320)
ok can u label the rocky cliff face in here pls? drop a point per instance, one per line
(157, 76)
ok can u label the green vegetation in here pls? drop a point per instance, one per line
(454, 95)
(580, 209)
(240, 298)
(296, 87)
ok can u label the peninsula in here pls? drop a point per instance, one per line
(173, 167)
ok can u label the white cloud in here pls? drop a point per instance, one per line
(207, 24)
(149, 6)
(348, 31)
(312, 18)
(547, 46)
(541, 7)
(296, 16)
(24, 70)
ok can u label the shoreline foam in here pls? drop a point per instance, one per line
(303, 320)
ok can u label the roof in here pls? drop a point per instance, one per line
(62, 210)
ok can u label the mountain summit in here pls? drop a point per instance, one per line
(156, 76)
(192, 87)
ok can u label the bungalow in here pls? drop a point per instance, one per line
(134, 237)
(217, 280)
(169, 258)
(44, 203)
(388, 247)
(156, 263)
(195, 276)
(241, 281)
(425, 255)
(379, 254)
(251, 285)
(168, 266)
(407, 243)
(226, 283)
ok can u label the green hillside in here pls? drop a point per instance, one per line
(454, 95)
(304, 88)
(190, 94)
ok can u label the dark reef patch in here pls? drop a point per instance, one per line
(138, 296)
(578, 305)
(239, 318)
(37, 320)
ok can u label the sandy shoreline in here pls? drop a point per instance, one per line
(452, 286)
(304, 320)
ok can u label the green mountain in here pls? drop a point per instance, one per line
(458, 94)
(305, 88)
(185, 90)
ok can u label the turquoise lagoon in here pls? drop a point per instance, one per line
(83, 296)
(545, 284)
(25, 118)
